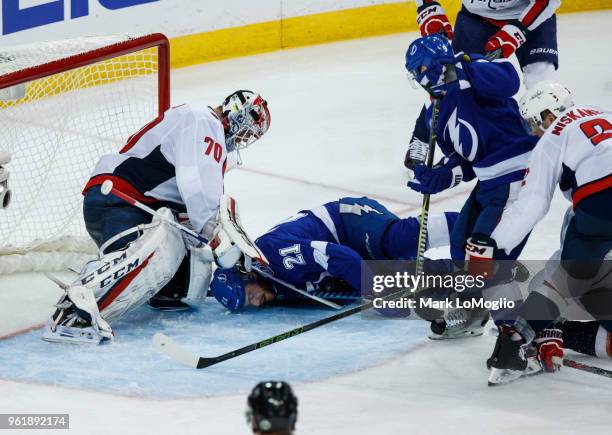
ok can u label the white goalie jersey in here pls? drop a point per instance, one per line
(178, 161)
(575, 152)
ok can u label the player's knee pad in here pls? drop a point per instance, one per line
(125, 279)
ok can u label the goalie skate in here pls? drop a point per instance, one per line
(77, 320)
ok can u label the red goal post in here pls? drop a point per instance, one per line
(64, 104)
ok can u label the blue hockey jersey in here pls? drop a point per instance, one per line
(479, 125)
(332, 240)
(306, 249)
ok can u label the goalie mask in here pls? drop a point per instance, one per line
(246, 118)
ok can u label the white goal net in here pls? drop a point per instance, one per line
(63, 104)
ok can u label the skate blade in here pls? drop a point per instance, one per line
(465, 334)
(503, 376)
(71, 335)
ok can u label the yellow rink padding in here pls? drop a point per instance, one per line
(318, 28)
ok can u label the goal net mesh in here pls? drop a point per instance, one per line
(56, 125)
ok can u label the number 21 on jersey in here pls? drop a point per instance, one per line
(292, 256)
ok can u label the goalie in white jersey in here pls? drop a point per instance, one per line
(174, 164)
(575, 152)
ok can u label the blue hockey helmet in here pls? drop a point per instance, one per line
(228, 288)
(431, 52)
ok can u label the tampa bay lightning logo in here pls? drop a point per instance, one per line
(462, 135)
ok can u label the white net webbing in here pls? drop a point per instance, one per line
(58, 130)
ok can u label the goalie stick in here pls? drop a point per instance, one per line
(107, 188)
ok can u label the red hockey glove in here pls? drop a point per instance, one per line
(549, 343)
(508, 39)
(432, 20)
(479, 251)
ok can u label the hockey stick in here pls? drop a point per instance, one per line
(107, 187)
(494, 54)
(172, 349)
(169, 347)
(435, 110)
(587, 368)
(271, 277)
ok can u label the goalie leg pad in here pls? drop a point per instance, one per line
(124, 280)
(154, 258)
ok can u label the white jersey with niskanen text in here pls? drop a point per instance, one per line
(531, 13)
(179, 159)
(578, 146)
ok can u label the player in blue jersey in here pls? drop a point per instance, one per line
(527, 28)
(481, 133)
(327, 244)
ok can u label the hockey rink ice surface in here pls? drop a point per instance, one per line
(342, 115)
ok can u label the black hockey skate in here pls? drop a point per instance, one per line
(508, 361)
(459, 323)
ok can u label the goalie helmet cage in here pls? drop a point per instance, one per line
(64, 104)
